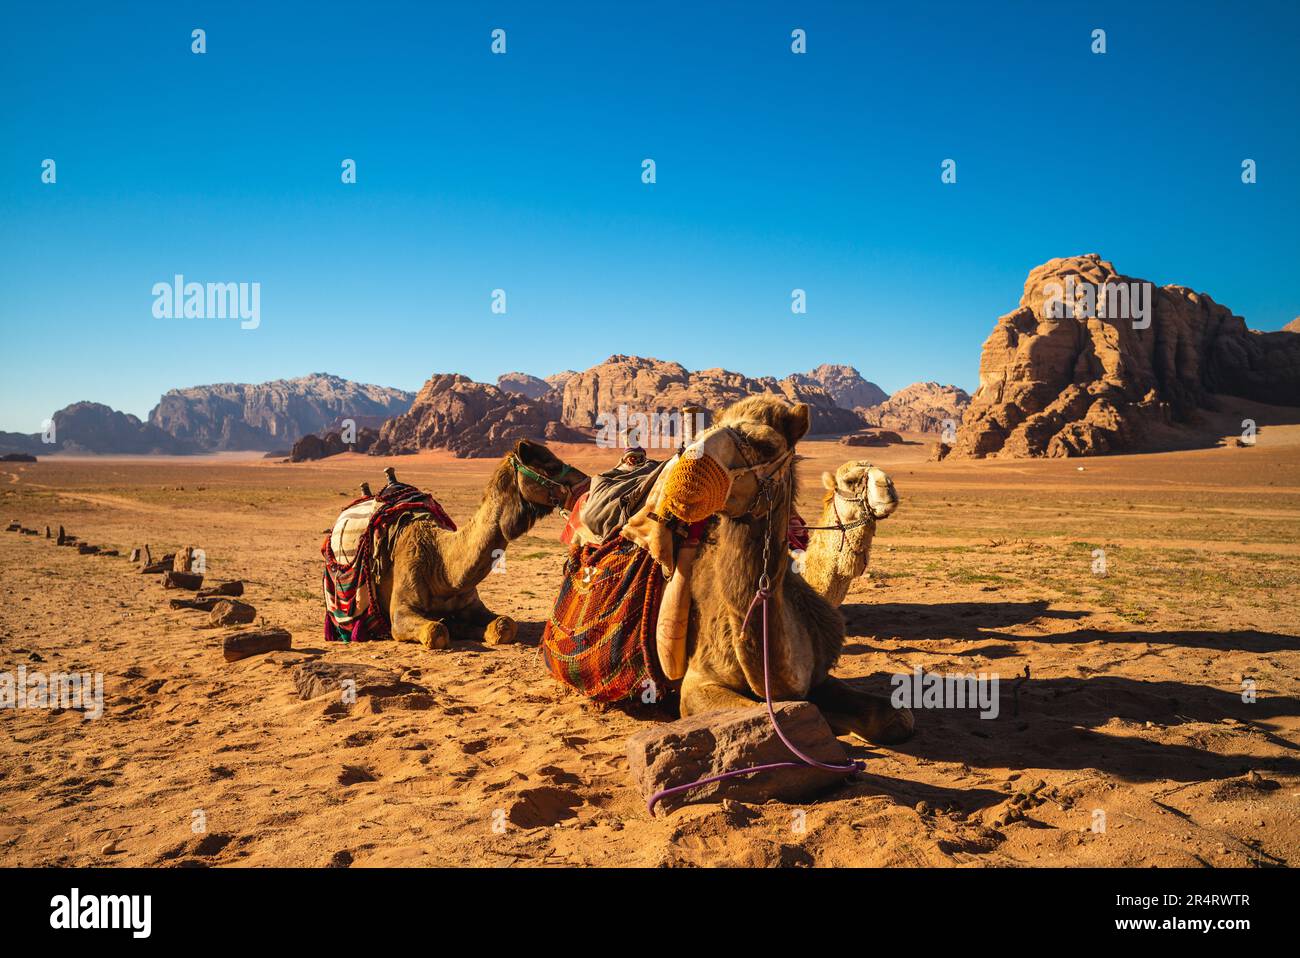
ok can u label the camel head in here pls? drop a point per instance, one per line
(737, 466)
(860, 490)
(543, 480)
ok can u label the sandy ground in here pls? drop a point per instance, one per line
(1133, 716)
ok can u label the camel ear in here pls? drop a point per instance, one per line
(526, 451)
(828, 480)
(798, 424)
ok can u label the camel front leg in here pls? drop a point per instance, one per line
(702, 692)
(477, 623)
(411, 625)
(869, 717)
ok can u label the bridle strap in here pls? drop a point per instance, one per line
(545, 481)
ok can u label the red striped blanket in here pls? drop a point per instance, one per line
(353, 612)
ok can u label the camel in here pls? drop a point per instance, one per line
(430, 588)
(839, 546)
(746, 544)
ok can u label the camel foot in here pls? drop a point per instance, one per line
(434, 635)
(875, 727)
(889, 729)
(500, 631)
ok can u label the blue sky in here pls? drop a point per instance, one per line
(523, 172)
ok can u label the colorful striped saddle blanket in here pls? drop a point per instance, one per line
(600, 638)
(355, 552)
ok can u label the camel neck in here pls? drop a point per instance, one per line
(501, 517)
(834, 559)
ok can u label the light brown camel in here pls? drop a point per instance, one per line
(430, 588)
(857, 497)
(725, 664)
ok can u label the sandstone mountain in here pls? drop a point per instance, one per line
(844, 384)
(271, 415)
(920, 407)
(557, 380)
(470, 419)
(91, 427)
(522, 384)
(1079, 378)
(650, 385)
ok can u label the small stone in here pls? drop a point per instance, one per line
(231, 612)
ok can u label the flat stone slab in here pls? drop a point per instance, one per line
(675, 753)
(317, 678)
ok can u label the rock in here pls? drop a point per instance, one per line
(240, 645)
(316, 678)
(162, 565)
(878, 437)
(470, 419)
(184, 560)
(232, 588)
(312, 446)
(17, 457)
(182, 580)
(920, 407)
(231, 612)
(14, 526)
(1079, 385)
(940, 451)
(270, 415)
(85, 548)
(674, 753)
(135, 555)
(200, 605)
(340, 859)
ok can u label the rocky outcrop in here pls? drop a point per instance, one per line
(920, 407)
(313, 446)
(557, 380)
(91, 427)
(522, 384)
(470, 419)
(1078, 370)
(869, 437)
(844, 384)
(270, 415)
(646, 385)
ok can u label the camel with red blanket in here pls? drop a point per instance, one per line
(426, 571)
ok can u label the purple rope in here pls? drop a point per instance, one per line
(761, 595)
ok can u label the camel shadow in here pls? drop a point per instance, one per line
(1241, 640)
(962, 621)
(977, 621)
(1055, 723)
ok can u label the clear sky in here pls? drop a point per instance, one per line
(522, 172)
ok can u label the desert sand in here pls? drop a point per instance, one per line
(1133, 709)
